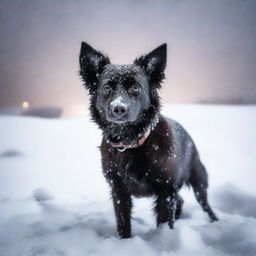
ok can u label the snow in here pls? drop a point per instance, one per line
(54, 199)
(118, 102)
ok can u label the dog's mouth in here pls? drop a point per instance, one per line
(120, 121)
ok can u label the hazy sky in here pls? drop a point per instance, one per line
(211, 47)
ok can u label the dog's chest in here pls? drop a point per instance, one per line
(135, 177)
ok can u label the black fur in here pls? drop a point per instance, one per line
(125, 104)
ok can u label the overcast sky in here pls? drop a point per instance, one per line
(211, 47)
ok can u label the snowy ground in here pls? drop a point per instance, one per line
(54, 200)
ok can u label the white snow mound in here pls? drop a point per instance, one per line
(76, 217)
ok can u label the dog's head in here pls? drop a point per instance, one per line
(122, 94)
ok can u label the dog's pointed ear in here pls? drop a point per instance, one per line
(154, 64)
(92, 63)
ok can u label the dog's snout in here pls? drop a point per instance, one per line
(118, 107)
(119, 110)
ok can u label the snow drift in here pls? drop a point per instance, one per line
(54, 199)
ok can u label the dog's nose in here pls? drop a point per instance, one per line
(119, 110)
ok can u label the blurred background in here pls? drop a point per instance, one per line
(211, 49)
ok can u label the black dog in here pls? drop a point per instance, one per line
(143, 153)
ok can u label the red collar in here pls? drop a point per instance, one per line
(139, 142)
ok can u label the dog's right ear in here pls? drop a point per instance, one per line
(92, 63)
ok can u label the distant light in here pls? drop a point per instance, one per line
(25, 104)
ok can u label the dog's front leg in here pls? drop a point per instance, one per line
(122, 205)
(165, 208)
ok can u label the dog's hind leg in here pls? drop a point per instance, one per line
(199, 182)
(165, 208)
(178, 207)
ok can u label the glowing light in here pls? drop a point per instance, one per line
(25, 104)
(75, 111)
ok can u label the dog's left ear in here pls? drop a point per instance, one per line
(154, 64)
(92, 63)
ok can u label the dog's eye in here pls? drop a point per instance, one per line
(107, 89)
(135, 88)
